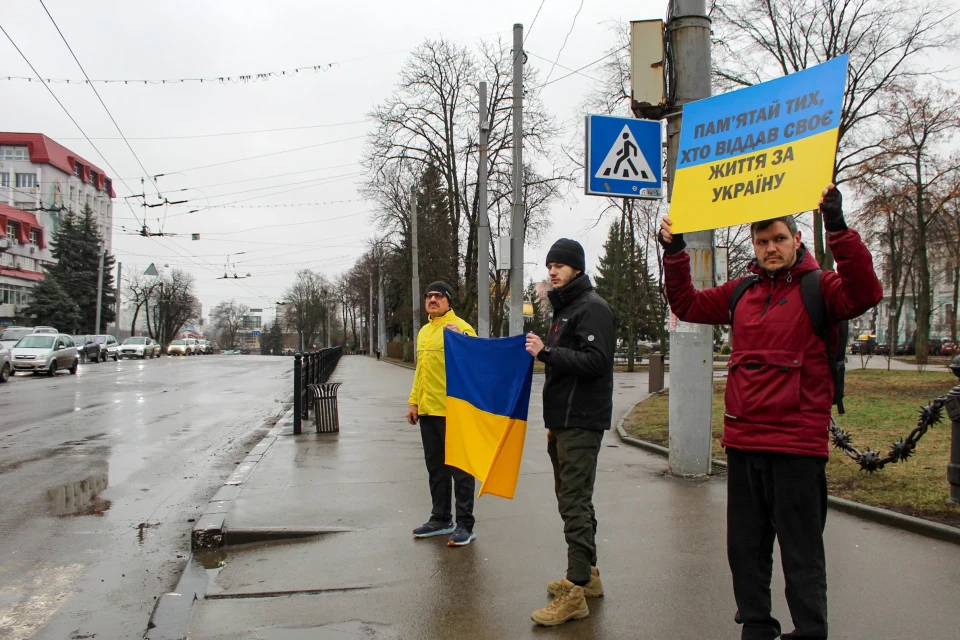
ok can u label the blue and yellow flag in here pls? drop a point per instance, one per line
(488, 395)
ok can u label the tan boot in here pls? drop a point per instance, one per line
(593, 589)
(568, 604)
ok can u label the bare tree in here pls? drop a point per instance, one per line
(228, 318)
(920, 122)
(311, 299)
(431, 120)
(173, 304)
(887, 40)
(139, 291)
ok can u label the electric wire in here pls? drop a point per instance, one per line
(72, 119)
(96, 93)
(564, 45)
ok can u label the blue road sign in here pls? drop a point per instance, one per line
(623, 158)
(254, 333)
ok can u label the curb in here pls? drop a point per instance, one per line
(942, 532)
(208, 531)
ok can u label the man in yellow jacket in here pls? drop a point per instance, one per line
(428, 405)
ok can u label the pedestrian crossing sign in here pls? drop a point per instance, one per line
(623, 157)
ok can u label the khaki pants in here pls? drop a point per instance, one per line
(573, 453)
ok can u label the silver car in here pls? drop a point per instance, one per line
(46, 353)
(6, 364)
(109, 347)
(139, 347)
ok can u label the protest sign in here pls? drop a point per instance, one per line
(758, 153)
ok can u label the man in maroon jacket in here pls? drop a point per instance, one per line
(779, 396)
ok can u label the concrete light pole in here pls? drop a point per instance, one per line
(691, 345)
(483, 226)
(517, 231)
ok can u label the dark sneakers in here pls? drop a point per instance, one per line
(461, 537)
(433, 528)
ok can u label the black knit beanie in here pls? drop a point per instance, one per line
(568, 252)
(441, 287)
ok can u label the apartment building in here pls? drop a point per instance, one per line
(40, 180)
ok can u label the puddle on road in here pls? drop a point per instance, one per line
(80, 498)
(212, 562)
(332, 631)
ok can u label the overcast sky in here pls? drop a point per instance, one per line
(366, 44)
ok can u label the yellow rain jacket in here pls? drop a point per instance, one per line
(430, 380)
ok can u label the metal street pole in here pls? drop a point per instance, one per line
(415, 272)
(118, 294)
(381, 314)
(483, 227)
(517, 232)
(691, 345)
(96, 328)
(370, 324)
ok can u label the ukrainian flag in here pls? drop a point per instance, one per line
(488, 395)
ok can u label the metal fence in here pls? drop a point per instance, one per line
(310, 368)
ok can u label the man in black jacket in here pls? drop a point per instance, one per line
(577, 407)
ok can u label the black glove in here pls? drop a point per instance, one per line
(673, 247)
(831, 207)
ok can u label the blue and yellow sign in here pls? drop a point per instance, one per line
(758, 153)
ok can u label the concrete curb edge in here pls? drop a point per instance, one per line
(208, 530)
(886, 517)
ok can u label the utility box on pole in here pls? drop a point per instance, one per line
(647, 86)
(691, 345)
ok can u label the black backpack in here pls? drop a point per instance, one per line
(812, 297)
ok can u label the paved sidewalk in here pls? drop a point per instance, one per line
(661, 546)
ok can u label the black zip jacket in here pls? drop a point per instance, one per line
(578, 353)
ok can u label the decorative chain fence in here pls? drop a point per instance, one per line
(901, 450)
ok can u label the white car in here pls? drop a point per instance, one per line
(192, 347)
(50, 331)
(10, 336)
(177, 348)
(46, 353)
(139, 347)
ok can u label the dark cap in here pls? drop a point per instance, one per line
(440, 287)
(568, 252)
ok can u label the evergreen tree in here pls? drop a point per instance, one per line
(437, 241)
(539, 323)
(271, 340)
(76, 246)
(51, 306)
(624, 281)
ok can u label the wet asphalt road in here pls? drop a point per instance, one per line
(100, 475)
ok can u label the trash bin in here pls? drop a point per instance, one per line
(325, 408)
(655, 378)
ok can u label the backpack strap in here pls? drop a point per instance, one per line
(812, 296)
(738, 292)
(813, 301)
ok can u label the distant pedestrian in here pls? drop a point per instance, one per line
(577, 407)
(428, 405)
(378, 353)
(780, 391)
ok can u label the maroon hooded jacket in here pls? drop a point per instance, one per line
(779, 388)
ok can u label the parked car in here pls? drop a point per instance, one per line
(10, 336)
(191, 346)
(865, 344)
(139, 347)
(949, 348)
(6, 364)
(177, 348)
(883, 349)
(46, 353)
(157, 348)
(109, 347)
(88, 348)
(201, 347)
(45, 330)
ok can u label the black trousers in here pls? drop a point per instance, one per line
(444, 479)
(772, 495)
(573, 453)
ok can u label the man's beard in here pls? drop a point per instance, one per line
(784, 266)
